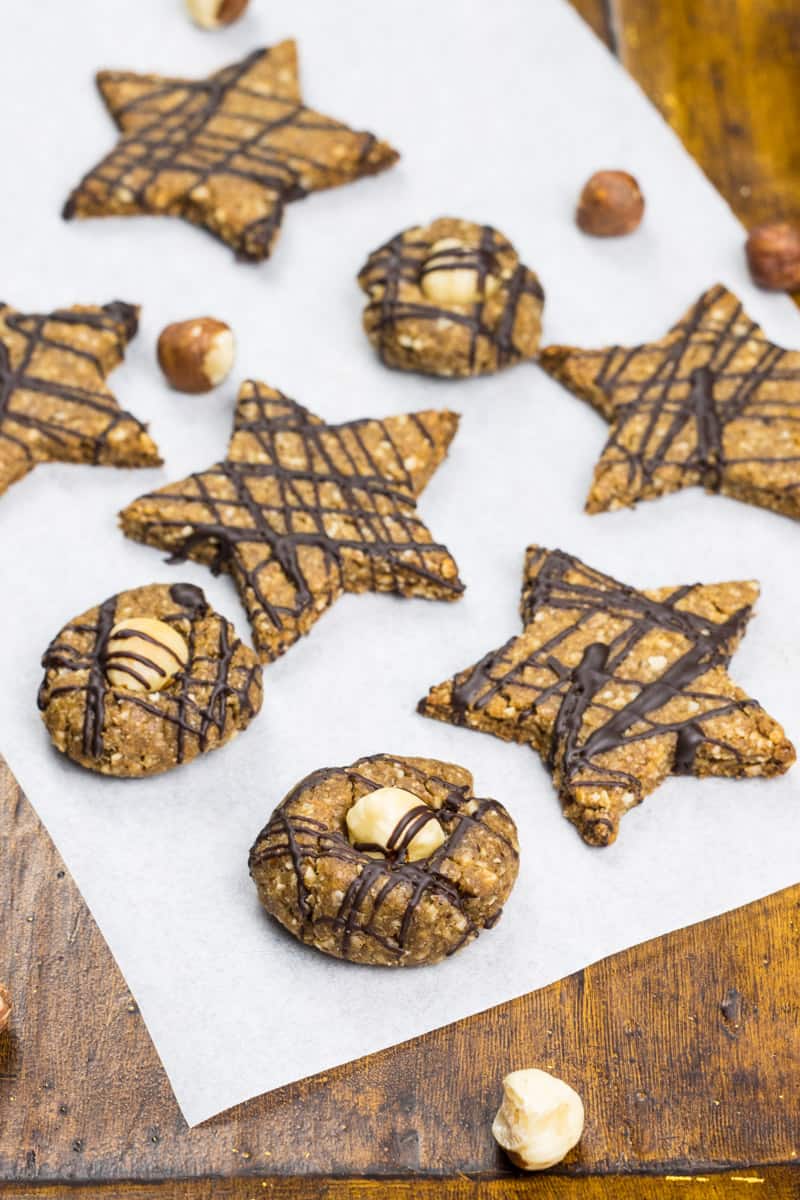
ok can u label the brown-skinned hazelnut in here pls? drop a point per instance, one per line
(196, 355)
(773, 255)
(611, 204)
(5, 1007)
(214, 14)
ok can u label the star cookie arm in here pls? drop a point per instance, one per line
(221, 517)
(729, 605)
(134, 100)
(585, 372)
(410, 447)
(55, 404)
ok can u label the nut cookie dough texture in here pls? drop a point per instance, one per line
(451, 299)
(227, 152)
(617, 689)
(383, 909)
(300, 512)
(55, 405)
(147, 680)
(713, 403)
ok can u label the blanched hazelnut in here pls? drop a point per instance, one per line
(393, 822)
(5, 1007)
(213, 14)
(144, 655)
(540, 1119)
(196, 355)
(611, 204)
(773, 255)
(451, 274)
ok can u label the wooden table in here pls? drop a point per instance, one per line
(686, 1049)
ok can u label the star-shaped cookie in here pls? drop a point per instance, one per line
(300, 512)
(712, 403)
(226, 152)
(55, 405)
(618, 689)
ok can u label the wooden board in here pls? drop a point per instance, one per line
(686, 1049)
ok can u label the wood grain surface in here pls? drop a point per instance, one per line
(686, 1050)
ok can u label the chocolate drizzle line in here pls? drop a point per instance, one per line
(319, 490)
(291, 835)
(215, 130)
(195, 702)
(579, 751)
(409, 259)
(671, 404)
(64, 433)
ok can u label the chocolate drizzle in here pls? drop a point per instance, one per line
(587, 716)
(186, 142)
(189, 597)
(408, 258)
(713, 403)
(195, 703)
(295, 838)
(47, 411)
(299, 512)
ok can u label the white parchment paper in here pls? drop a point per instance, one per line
(500, 110)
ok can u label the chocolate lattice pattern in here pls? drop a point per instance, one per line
(227, 152)
(618, 688)
(713, 403)
(301, 511)
(55, 405)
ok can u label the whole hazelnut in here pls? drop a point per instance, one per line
(451, 274)
(5, 1007)
(214, 14)
(773, 255)
(143, 654)
(540, 1119)
(196, 355)
(611, 204)
(391, 821)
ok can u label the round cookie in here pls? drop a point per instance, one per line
(378, 907)
(147, 680)
(451, 299)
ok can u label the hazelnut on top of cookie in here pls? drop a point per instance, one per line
(391, 822)
(451, 299)
(391, 861)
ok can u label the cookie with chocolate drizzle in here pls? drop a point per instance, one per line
(713, 403)
(227, 152)
(618, 688)
(382, 908)
(55, 405)
(451, 299)
(300, 512)
(149, 679)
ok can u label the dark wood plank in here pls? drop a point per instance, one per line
(676, 1077)
(601, 16)
(774, 1183)
(725, 76)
